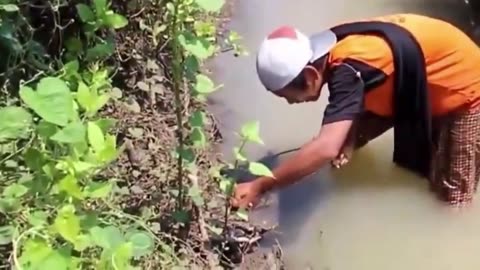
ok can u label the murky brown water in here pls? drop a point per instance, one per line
(368, 216)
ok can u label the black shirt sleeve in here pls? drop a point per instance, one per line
(346, 94)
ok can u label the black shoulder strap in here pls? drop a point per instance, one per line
(412, 117)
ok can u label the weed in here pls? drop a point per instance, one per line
(57, 209)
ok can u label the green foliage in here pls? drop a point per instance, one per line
(197, 45)
(64, 161)
(15, 122)
(52, 100)
(59, 213)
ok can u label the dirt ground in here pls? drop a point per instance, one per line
(146, 126)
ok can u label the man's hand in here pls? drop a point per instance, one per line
(340, 161)
(247, 195)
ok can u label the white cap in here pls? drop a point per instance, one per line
(285, 52)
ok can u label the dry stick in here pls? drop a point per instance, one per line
(203, 228)
(131, 154)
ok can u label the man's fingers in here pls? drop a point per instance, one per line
(239, 201)
(233, 202)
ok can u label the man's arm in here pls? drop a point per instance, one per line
(311, 156)
(345, 104)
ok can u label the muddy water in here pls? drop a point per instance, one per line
(368, 216)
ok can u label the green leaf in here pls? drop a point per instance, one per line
(67, 224)
(9, 7)
(197, 119)
(38, 255)
(187, 154)
(210, 5)
(195, 194)
(242, 213)
(69, 185)
(142, 242)
(10, 164)
(100, 51)
(251, 132)
(259, 169)
(52, 101)
(71, 69)
(226, 186)
(106, 124)
(74, 45)
(107, 238)
(98, 190)
(115, 21)
(82, 167)
(200, 48)
(100, 7)
(192, 66)
(8, 205)
(38, 218)
(35, 251)
(83, 242)
(34, 159)
(238, 154)
(15, 123)
(100, 101)
(89, 100)
(110, 152)
(85, 13)
(122, 255)
(71, 134)
(84, 97)
(58, 261)
(204, 85)
(198, 138)
(96, 137)
(6, 234)
(181, 216)
(46, 130)
(15, 191)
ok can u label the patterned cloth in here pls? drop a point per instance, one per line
(456, 160)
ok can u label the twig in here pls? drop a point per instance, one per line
(279, 247)
(201, 217)
(203, 228)
(138, 13)
(132, 157)
(18, 151)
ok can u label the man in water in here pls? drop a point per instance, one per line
(416, 74)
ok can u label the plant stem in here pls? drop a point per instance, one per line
(177, 78)
(227, 202)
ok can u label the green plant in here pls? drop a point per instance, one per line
(60, 212)
(56, 207)
(96, 17)
(193, 42)
(249, 133)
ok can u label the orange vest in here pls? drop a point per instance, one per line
(452, 61)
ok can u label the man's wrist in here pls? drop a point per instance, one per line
(266, 184)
